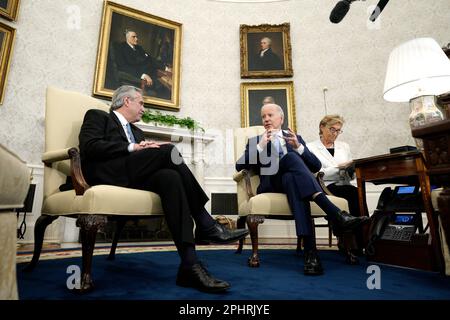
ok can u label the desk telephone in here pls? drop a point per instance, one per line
(397, 216)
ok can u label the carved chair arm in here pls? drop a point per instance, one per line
(79, 183)
(54, 156)
(244, 174)
(319, 178)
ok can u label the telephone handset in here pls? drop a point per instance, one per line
(380, 220)
(385, 198)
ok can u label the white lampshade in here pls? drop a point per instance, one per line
(416, 68)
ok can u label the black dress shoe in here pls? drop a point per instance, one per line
(218, 234)
(312, 267)
(198, 277)
(346, 222)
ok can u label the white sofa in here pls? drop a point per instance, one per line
(14, 184)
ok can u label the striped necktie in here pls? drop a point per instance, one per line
(130, 134)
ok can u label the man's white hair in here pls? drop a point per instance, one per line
(279, 109)
(269, 41)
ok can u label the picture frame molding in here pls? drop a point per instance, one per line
(6, 50)
(100, 91)
(270, 85)
(12, 11)
(284, 28)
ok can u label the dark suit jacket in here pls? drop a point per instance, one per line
(269, 61)
(135, 62)
(251, 160)
(104, 148)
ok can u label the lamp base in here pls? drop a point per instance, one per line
(424, 110)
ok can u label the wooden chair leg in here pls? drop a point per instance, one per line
(330, 236)
(299, 249)
(350, 246)
(253, 221)
(240, 224)
(120, 224)
(39, 230)
(89, 225)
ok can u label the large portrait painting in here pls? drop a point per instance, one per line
(266, 51)
(255, 94)
(9, 9)
(7, 34)
(139, 49)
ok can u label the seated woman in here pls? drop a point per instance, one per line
(335, 156)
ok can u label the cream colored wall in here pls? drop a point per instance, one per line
(348, 58)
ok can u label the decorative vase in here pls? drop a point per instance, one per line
(424, 110)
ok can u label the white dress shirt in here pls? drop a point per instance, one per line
(279, 135)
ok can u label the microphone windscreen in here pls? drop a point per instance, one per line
(339, 11)
(380, 6)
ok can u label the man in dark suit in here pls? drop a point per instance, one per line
(113, 151)
(285, 165)
(266, 59)
(131, 58)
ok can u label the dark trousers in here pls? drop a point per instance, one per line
(181, 195)
(349, 193)
(298, 183)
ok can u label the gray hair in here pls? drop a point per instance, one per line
(269, 41)
(127, 31)
(279, 109)
(269, 99)
(121, 93)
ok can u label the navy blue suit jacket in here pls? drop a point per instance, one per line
(253, 160)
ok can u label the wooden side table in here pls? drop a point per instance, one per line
(423, 251)
(436, 141)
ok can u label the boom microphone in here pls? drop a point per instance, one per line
(340, 10)
(380, 6)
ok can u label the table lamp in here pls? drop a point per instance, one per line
(418, 70)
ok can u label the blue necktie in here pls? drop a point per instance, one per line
(277, 145)
(130, 134)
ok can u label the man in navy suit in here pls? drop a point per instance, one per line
(285, 165)
(132, 59)
(113, 151)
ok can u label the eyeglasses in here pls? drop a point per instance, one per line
(334, 131)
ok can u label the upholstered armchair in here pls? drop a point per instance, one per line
(253, 208)
(92, 206)
(14, 183)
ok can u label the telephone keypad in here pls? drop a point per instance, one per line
(399, 233)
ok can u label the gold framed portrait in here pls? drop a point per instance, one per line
(255, 94)
(266, 51)
(9, 9)
(7, 34)
(139, 49)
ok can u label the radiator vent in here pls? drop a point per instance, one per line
(224, 204)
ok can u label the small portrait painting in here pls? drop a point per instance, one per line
(265, 51)
(256, 94)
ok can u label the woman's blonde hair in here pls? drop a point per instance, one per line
(330, 120)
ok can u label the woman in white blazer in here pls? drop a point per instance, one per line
(334, 156)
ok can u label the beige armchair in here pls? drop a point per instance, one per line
(253, 208)
(91, 206)
(443, 229)
(14, 184)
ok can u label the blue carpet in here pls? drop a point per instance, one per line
(151, 276)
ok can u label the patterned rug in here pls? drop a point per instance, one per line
(103, 249)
